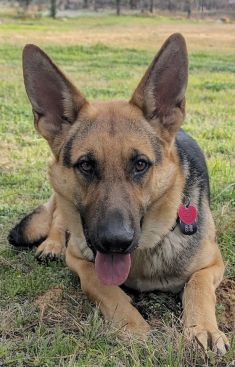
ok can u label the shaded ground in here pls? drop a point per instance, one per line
(226, 309)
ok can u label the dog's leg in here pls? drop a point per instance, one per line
(199, 308)
(113, 302)
(33, 229)
(54, 245)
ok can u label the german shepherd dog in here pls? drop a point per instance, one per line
(131, 189)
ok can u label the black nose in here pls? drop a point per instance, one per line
(115, 234)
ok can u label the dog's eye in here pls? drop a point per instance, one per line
(141, 165)
(86, 166)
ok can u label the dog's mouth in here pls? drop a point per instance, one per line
(112, 269)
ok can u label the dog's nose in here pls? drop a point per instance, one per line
(115, 234)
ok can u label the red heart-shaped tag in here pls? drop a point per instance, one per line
(187, 215)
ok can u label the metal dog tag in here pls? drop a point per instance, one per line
(187, 219)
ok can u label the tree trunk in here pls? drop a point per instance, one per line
(118, 6)
(85, 4)
(133, 4)
(151, 6)
(25, 4)
(169, 5)
(188, 8)
(53, 9)
(202, 6)
(142, 8)
(95, 5)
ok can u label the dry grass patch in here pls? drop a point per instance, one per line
(132, 32)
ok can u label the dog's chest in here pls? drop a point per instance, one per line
(163, 266)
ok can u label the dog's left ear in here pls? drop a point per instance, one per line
(161, 92)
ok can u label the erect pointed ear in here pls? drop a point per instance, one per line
(55, 101)
(161, 92)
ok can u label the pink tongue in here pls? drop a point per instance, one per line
(112, 269)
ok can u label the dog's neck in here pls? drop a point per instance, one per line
(161, 217)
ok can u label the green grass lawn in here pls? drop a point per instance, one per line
(45, 320)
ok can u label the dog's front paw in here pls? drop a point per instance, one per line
(136, 326)
(208, 337)
(50, 250)
(126, 319)
(139, 330)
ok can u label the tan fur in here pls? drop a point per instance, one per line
(40, 222)
(112, 130)
(54, 245)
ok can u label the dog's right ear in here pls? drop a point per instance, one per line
(55, 101)
(161, 92)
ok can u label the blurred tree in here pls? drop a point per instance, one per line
(142, 5)
(211, 6)
(95, 5)
(53, 8)
(25, 4)
(133, 4)
(170, 5)
(202, 4)
(151, 6)
(85, 4)
(118, 7)
(188, 7)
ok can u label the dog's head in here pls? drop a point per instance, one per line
(113, 159)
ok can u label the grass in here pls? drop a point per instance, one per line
(45, 319)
